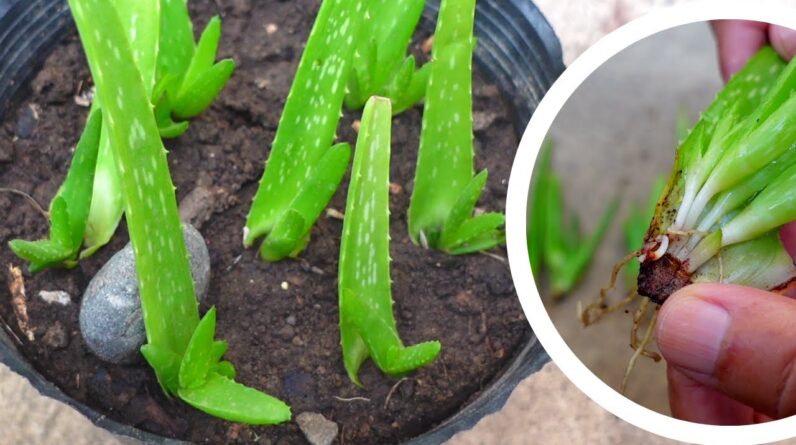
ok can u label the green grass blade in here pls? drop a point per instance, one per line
(367, 324)
(309, 120)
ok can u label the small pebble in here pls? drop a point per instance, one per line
(27, 117)
(55, 297)
(110, 312)
(271, 28)
(291, 320)
(284, 285)
(317, 429)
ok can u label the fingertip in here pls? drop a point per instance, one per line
(737, 41)
(783, 40)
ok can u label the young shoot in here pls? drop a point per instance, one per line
(367, 324)
(381, 66)
(68, 209)
(181, 81)
(180, 347)
(303, 169)
(556, 245)
(446, 191)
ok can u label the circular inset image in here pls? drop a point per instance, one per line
(652, 222)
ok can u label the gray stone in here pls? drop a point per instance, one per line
(317, 429)
(110, 312)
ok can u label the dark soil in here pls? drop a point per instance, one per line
(660, 278)
(279, 319)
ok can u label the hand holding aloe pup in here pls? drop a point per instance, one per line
(181, 349)
(749, 384)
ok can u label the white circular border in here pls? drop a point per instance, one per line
(522, 168)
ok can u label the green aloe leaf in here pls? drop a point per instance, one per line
(367, 324)
(309, 120)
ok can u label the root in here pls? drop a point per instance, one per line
(640, 348)
(392, 391)
(598, 308)
(27, 197)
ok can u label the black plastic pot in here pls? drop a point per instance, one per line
(517, 50)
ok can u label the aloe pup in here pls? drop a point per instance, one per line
(367, 324)
(446, 191)
(381, 66)
(304, 169)
(180, 347)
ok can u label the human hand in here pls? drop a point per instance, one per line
(731, 354)
(738, 40)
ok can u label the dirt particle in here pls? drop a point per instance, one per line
(55, 336)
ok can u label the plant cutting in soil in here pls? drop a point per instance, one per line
(729, 192)
(367, 324)
(445, 191)
(287, 308)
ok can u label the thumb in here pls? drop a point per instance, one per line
(739, 340)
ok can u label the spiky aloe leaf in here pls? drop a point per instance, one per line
(381, 66)
(367, 324)
(141, 24)
(69, 208)
(445, 191)
(731, 189)
(535, 229)
(179, 347)
(307, 126)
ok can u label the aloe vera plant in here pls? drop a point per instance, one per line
(68, 209)
(730, 190)
(381, 66)
(367, 324)
(181, 80)
(446, 191)
(303, 172)
(180, 347)
(554, 244)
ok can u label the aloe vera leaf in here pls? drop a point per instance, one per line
(445, 157)
(176, 45)
(168, 301)
(198, 93)
(553, 249)
(164, 276)
(307, 127)
(225, 369)
(773, 207)
(367, 324)
(379, 60)
(203, 80)
(474, 227)
(199, 354)
(536, 227)
(463, 208)
(485, 241)
(413, 92)
(315, 194)
(759, 72)
(762, 263)
(222, 397)
(69, 207)
(140, 20)
(168, 364)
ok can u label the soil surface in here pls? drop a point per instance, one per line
(280, 319)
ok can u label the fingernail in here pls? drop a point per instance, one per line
(690, 332)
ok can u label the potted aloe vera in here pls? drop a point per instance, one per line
(262, 331)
